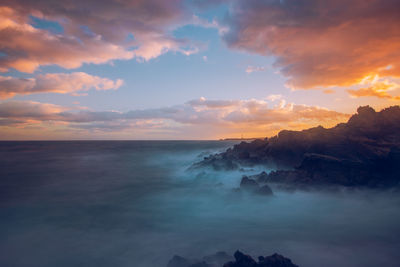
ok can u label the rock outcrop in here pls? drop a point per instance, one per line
(321, 170)
(365, 151)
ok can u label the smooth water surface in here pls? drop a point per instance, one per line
(132, 203)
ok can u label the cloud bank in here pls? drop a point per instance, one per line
(202, 117)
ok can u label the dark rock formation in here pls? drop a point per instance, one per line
(252, 186)
(248, 184)
(240, 260)
(365, 151)
(321, 170)
(275, 260)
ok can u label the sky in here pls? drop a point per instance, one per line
(192, 69)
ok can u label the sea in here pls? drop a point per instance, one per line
(137, 204)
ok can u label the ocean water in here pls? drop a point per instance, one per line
(133, 203)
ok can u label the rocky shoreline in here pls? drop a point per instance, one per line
(364, 152)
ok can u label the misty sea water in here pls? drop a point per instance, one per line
(133, 203)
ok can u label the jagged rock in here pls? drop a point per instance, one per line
(362, 152)
(241, 260)
(217, 162)
(252, 186)
(248, 184)
(322, 170)
(261, 177)
(275, 260)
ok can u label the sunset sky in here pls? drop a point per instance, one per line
(171, 69)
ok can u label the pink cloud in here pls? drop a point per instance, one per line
(62, 83)
(94, 32)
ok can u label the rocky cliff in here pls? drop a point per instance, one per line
(365, 151)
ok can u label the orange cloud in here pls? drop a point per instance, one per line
(318, 43)
(377, 88)
(329, 91)
(62, 83)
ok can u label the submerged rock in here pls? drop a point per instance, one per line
(239, 260)
(275, 260)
